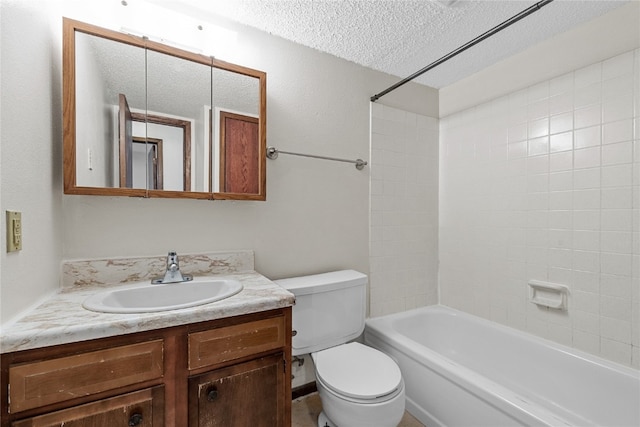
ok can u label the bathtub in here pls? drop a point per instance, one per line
(461, 370)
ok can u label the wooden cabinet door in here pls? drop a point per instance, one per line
(143, 408)
(239, 153)
(249, 394)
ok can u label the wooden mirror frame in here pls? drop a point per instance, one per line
(70, 28)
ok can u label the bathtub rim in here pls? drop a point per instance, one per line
(373, 322)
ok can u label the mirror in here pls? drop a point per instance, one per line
(148, 120)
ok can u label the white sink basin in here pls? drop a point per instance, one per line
(147, 298)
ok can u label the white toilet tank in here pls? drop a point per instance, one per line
(330, 309)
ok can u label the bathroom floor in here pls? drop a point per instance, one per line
(305, 410)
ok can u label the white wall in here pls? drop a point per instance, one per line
(404, 210)
(544, 183)
(316, 217)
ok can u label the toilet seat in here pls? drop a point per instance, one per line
(358, 373)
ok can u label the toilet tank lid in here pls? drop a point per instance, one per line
(324, 282)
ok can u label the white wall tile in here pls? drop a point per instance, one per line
(561, 142)
(615, 350)
(586, 240)
(586, 158)
(617, 220)
(615, 329)
(561, 123)
(616, 264)
(560, 200)
(618, 108)
(617, 176)
(586, 199)
(517, 149)
(588, 137)
(538, 146)
(404, 207)
(591, 115)
(615, 154)
(586, 342)
(617, 198)
(561, 103)
(538, 128)
(616, 286)
(619, 131)
(586, 179)
(561, 161)
(617, 86)
(588, 220)
(554, 197)
(588, 95)
(615, 308)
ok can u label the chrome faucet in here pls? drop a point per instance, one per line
(173, 273)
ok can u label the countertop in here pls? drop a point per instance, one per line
(62, 319)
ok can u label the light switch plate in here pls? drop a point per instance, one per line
(14, 231)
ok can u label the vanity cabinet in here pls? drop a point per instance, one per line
(228, 372)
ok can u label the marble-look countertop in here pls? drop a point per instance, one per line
(62, 319)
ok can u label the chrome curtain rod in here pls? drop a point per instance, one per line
(466, 46)
(273, 152)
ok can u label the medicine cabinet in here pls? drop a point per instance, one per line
(149, 120)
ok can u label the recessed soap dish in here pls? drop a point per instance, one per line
(547, 294)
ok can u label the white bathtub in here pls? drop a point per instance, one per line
(461, 370)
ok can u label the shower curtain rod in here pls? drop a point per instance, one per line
(466, 46)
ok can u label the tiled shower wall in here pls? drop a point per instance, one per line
(404, 210)
(545, 184)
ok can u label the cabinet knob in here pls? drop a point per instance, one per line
(212, 394)
(135, 419)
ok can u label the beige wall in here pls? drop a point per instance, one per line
(316, 217)
(30, 135)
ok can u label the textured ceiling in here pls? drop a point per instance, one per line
(400, 37)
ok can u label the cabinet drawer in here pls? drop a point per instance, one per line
(141, 408)
(56, 380)
(220, 345)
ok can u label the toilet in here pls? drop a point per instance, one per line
(359, 386)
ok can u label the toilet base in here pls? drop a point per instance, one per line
(324, 421)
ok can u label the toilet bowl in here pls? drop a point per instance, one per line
(359, 386)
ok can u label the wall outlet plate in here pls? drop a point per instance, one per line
(14, 231)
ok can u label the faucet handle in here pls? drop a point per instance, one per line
(173, 264)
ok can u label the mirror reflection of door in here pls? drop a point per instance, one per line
(125, 128)
(173, 165)
(239, 153)
(176, 147)
(147, 163)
